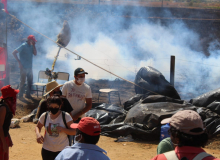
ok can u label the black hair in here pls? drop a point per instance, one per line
(89, 139)
(54, 99)
(188, 139)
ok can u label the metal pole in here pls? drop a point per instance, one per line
(172, 70)
(53, 65)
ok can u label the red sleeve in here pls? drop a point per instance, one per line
(159, 157)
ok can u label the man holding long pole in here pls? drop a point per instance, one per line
(26, 52)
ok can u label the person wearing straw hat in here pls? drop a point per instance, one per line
(25, 60)
(87, 136)
(7, 110)
(78, 92)
(188, 134)
(53, 88)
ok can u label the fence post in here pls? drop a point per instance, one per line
(172, 70)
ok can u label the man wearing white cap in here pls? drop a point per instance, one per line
(188, 135)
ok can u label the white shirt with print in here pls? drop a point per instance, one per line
(76, 95)
(53, 140)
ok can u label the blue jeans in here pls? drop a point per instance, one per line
(25, 73)
(71, 138)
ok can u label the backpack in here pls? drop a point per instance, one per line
(64, 121)
(171, 155)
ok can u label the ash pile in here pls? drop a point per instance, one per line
(155, 100)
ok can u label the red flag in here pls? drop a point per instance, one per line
(5, 5)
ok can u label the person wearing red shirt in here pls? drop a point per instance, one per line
(188, 135)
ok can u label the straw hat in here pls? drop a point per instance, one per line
(51, 86)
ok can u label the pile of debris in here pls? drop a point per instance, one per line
(142, 114)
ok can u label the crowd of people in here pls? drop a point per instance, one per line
(69, 135)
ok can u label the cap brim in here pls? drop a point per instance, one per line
(82, 73)
(52, 89)
(74, 125)
(165, 121)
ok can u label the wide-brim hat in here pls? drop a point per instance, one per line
(7, 92)
(51, 86)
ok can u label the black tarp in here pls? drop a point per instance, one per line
(151, 114)
(215, 107)
(161, 98)
(133, 100)
(105, 113)
(143, 120)
(147, 98)
(207, 98)
(152, 80)
(136, 130)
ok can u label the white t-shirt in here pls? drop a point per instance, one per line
(53, 140)
(76, 95)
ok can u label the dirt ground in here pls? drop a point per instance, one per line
(26, 148)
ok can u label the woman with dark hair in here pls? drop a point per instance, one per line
(57, 126)
(7, 109)
(188, 135)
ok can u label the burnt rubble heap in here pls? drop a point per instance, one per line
(142, 114)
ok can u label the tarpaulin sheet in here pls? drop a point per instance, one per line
(105, 113)
(207, 98)
(151, 114)
(133, 100)
(152, 80)
(143, 120)
(215, 107)
(147, 98)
